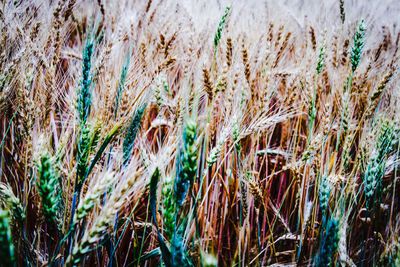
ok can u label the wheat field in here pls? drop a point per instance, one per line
(199, 133)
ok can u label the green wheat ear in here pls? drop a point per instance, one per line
(236, 134)
(221, 25)
(185, 176)
(168, 207)
(165, 252)
(342, 13)
(121, 84)
(321, 59)
(93, 194)
(87, 142)
(187, 163)
(358, 45)
(12, 203)
(95, 135)
(83, 153)
(387, 140)
(47, 183)
(84, 95)
(131, 132)
(324, 193)
(6, 245)
(329, 244)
